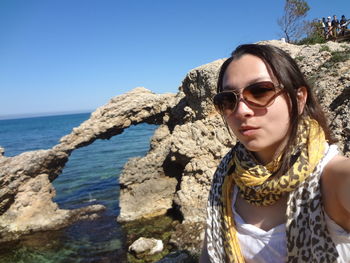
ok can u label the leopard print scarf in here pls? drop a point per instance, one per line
(308, 239)
(253, 179)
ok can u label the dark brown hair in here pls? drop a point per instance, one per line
(286, 71)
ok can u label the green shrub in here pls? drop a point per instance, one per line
(325, 48)
(312, 39)
(340, 56)
(337, 56)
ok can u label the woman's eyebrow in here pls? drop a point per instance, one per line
(229, 87)
(257, 80)
(251, 82)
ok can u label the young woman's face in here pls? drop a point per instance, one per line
(263, 131)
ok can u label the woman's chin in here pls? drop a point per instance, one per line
(253, 146)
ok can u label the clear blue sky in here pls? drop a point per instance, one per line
(70, 55)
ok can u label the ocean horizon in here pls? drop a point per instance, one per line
(41, 114)
(90, 177)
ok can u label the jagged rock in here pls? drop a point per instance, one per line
(147, 186)
(149, 246)
(188, 150)
(16, 171)
(33, 210)
(26, 195)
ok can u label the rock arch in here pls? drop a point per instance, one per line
(26, 191)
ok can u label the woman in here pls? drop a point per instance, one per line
(282, 193)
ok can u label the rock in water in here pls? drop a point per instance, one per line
(149, 246)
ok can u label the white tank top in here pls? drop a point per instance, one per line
(260, 246)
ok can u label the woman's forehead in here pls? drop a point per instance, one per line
(244, 71)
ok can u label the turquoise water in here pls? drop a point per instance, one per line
(89, 177)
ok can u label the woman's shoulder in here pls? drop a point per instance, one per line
(333, 172)
(338, 165)
(335, 183)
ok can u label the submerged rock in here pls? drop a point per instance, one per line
(178, 257)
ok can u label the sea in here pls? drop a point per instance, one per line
(89, 177)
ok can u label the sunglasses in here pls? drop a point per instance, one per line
(258, 95)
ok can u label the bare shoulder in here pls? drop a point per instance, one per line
(338, 163)
(335, 185)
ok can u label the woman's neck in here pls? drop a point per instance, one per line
(269, 154)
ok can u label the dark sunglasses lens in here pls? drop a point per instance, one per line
(225, 101)
(259, 94)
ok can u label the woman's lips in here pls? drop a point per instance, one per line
(248, 130)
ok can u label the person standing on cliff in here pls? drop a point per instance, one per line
(335, 26)
(281, 194)
(329, 28)
(324, 27)
(343, 25)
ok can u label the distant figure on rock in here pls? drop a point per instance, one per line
(324, 27)
(281, 194)
(343, 25)
(329, 28)
(335, 26)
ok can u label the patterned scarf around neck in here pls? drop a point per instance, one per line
(258, 185)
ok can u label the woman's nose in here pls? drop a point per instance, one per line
(243, 110)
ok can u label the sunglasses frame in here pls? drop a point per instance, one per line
(278, 89)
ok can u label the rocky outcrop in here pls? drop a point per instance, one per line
(191, 139)
(26, 191)
(184, 153)
(26, 195)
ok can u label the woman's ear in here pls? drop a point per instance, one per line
(301, 97)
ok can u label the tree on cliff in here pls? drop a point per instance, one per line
(292, 23)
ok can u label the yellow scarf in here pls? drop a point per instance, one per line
(255, 185)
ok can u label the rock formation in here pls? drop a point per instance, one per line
(184, 153)
(26, 191)
(185, 150)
